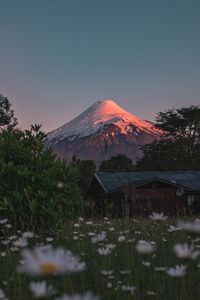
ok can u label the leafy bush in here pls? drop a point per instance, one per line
(35, 189)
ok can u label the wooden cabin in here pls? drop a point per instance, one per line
(140, 193)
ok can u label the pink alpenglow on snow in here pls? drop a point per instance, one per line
(102, 131)
(101, 113)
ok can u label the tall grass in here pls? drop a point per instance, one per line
(127, 267)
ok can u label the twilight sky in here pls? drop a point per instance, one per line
(57, 57)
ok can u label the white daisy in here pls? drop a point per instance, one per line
(158, 216)
(41, 289)
(128, 288)
(89, 222)
(144, 247)
(107, 272)
(13, 237)
(46, 260)
(49, 239)
(99, 237)
(3, 221)
(178, 271)
(2, 295)
(146, 263)
(110, 246)
(21, 243)
(5, 242)
(8, 226)
(104, 250)
(190, 226)
(60, 185)
(111, 228)
(186, 251)
(151, 293)
(121, 238)
(91, 233)
(14, 249)
(28, 235)
(109, 285)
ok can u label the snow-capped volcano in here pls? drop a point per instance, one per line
(96, 116)
(102, 131)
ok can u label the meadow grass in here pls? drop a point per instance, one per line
(121, 274)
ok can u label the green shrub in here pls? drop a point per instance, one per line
(35, 188)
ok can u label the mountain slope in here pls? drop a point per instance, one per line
(103, 130)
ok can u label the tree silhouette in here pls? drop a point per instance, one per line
(7, 118)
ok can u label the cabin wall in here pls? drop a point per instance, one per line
(157, 197)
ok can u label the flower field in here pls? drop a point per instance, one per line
(155, 258)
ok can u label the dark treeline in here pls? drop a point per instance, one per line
(179, 146)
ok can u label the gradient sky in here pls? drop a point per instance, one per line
(57, 57)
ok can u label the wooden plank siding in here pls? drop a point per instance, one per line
(140, 193)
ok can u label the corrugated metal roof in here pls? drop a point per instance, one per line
(112, 182)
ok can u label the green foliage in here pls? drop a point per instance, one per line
(118, 163)
(7, 118)
(85, 170)
(179, 146)
(184, 122)
(35, 188)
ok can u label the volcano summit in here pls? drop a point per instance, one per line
(103, 130)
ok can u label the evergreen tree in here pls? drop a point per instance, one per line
(7, 118)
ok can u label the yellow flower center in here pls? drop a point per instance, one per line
(48, 268)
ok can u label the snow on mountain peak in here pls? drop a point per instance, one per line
(108, 109)
(96, 116)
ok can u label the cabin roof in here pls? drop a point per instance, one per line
(113, 182)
